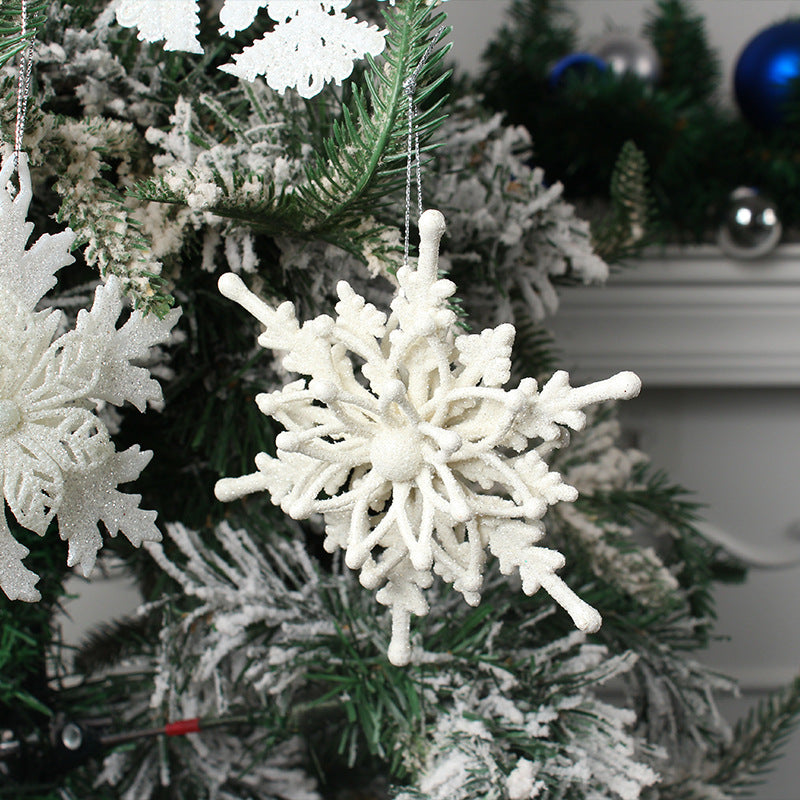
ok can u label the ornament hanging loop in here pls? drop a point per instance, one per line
(412, 150)
(23, 85)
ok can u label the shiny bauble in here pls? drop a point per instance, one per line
(750, 227)
(764, 72)
(72, 736)
(577, 64)
(626, 54)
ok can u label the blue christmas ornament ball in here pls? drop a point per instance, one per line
(764, 73)
(574, 64)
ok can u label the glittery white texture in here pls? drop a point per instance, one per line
(119, 380)
(56, 455)
(424, 464)
(313, 43)
(175, 21)
(236, 15)
(91, 496)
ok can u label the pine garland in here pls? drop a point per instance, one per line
(758, 740)
(581, 125)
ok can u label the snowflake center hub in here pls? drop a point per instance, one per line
(396, 455)
(10, 417)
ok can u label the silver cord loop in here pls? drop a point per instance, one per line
(412, 150)
(23, 86)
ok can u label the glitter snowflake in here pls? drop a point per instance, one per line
(313, 43)
(177, 22)
(423, 461)
(57, 459)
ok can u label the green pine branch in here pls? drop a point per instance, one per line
(758, 740)
(655, 497)
(689, 66)
(366, 152)
(538, 33)
(623, 231)
(12, 42)
(107, 230)
(361, 162)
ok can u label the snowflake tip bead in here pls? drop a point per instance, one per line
(423, 462)
(431, 226)
(623, 386)
(232, 286)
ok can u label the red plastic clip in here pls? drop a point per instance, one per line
(182, 727)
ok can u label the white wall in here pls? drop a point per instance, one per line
(473, 23)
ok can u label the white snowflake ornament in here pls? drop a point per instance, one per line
(313, 43)
(423, 461)
(57, 459)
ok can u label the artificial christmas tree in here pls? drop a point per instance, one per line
(257, 665)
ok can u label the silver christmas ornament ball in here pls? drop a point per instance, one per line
(72, 736)
(625, 53)
(750, 227)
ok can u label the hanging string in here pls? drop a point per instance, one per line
(412, 151)
(23, 86)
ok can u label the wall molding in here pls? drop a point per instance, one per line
(688, 317)
(756, 680)
(776, 557)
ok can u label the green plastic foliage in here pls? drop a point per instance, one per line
(360, 158)
(689, 66)
(12, 42)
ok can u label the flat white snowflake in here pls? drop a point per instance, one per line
(423, 461)
(57, 459)
(313, 43)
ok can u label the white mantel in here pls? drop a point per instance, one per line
(716, 342)
(688, 317)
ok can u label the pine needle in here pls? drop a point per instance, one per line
(12, 42)
(758, 740)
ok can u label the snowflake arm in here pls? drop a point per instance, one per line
(119, 379)
(176, 22)
(29, 276)
(91, 497)
(236, 15)
(16, 581)
(411, 463)
(313, 43)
